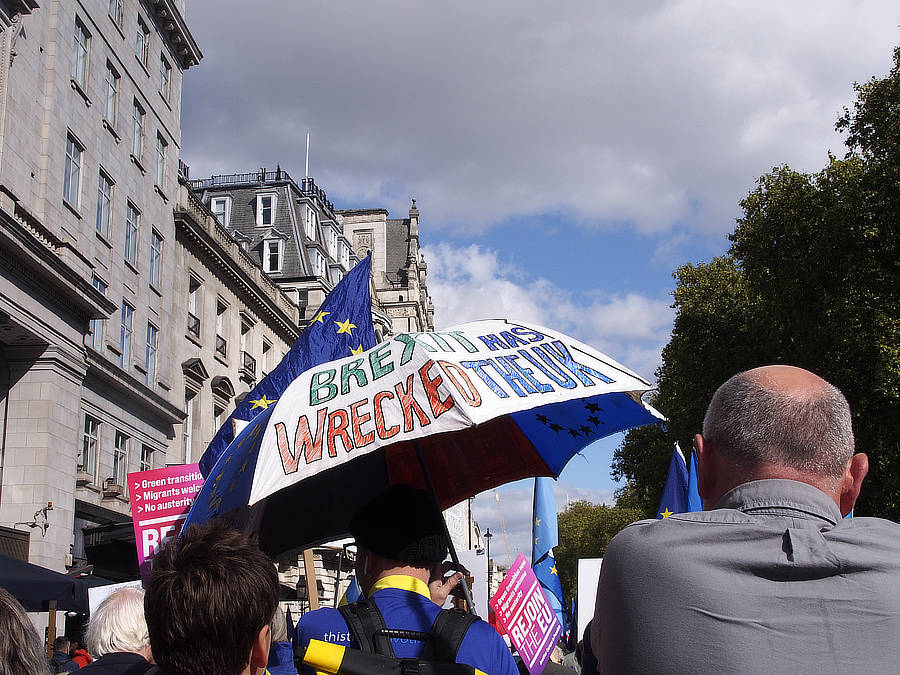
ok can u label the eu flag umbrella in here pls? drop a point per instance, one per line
(471, 407)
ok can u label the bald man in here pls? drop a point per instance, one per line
(768, 578)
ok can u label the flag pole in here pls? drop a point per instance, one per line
(462, 582)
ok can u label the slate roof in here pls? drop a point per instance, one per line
(396, 246)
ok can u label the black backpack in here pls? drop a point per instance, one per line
(442, 642)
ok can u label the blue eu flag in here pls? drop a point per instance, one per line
(680, 491)
(545, 537)
(342, 326)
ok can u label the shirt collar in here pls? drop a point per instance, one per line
(401, 582)
(786, 496)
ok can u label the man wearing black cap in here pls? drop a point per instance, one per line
(400, 547)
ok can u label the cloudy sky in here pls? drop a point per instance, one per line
(565, 159)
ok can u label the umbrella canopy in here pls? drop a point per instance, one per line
(481, 404)
(36, 586)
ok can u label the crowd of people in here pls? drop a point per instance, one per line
(770, 577)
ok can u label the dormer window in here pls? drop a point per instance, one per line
(273, 255)
(265, 209)
(221, 208)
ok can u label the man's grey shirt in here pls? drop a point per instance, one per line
(770, 581)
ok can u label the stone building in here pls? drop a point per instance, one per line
(398, 269)
(290, 229)
(90, 105)
(234, 324)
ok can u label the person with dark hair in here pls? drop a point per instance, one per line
(770, 578)
(61, 662)
(209, 601)
(401, 544)
(20, 646)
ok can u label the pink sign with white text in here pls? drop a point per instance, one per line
(523, 610)
(160, 501)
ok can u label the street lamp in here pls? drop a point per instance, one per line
(487, 538)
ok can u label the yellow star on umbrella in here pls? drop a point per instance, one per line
(666, 513)
(320, 317)
(357, 350)
(261, 403)
(553, 570)
(345, 327)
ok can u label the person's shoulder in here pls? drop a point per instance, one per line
(318, 619)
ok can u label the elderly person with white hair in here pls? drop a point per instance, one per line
(117, 635)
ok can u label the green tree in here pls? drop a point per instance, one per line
(585, 530)
(812, 278)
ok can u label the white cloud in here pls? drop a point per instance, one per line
(471, 282)
(650, 113)
(514, 512)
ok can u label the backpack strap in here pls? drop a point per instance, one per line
(367, 626)
(447, 633)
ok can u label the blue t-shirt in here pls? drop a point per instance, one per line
(405, 604)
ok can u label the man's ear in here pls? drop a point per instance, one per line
(259, 652)
(705, 470)
(851, 481)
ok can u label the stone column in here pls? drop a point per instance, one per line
(43, 429)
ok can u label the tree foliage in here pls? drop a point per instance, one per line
(812, 278)
(584, 532)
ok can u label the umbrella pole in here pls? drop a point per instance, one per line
(462, 582)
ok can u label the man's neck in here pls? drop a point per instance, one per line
(405, 570)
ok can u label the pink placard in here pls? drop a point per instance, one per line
(524, 612)
(160, 501)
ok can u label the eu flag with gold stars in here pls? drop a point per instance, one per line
(545, 536)
(342, 325)
(680, 490)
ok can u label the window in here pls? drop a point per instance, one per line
(272, 254)
(120, 459)
(146, 458)
(125, 335)
(265, 209)
(194, 307)
(111, 110)
(165, 77)
(142, 43)
(115, 11)
(137, 140)
(72, 177)
(150, 358)
(90, 443)
(98, 326)
(221, 208)
(317, 260)
(82, 49)
(162, 150)
(309, 222)
(104, 203)
(266, 357)
(132, 222)
(156, 247)
(221, 327)
(187, 427)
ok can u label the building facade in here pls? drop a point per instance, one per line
(90, 106)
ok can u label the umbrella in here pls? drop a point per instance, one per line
(35, 587)
(466, 409)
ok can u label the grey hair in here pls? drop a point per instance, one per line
(118, 625)
(752, 425)
(279, 625)
(21, 650)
